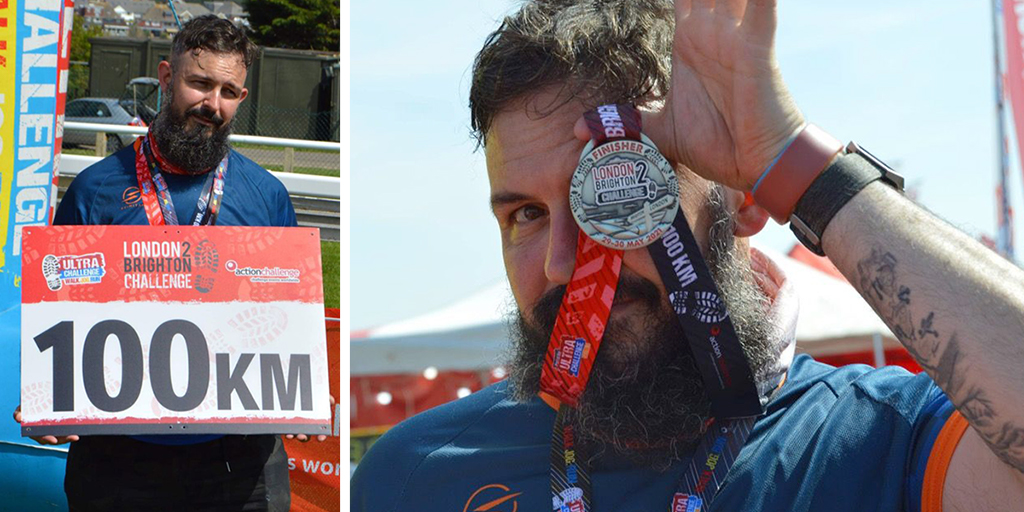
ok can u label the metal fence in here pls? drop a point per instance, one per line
(293, 155)
(316, 197)
(288, 123)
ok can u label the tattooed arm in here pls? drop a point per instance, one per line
(958, 308)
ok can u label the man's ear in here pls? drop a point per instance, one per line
(750, 218)
(163, 74)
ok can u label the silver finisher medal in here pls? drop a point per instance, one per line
(624, 193)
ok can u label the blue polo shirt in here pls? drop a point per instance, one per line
(836, 439)
(107, 193)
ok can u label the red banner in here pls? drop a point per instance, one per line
(63, 57)
(1013, 22)
(315, 467)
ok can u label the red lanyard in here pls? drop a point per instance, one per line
(581, 320)
(156, 197)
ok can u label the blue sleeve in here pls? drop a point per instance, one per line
(70, 210)
(381, 479)
(286, 214)
(373, 484)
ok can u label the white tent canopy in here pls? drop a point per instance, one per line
(471, 333)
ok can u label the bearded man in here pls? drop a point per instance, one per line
(647, 431)
(193, 177)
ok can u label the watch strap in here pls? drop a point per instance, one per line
(844, 178)
(789, 176)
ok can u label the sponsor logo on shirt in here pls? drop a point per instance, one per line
(131, 197)
(492, 498)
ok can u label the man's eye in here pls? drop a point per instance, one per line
(526, 214)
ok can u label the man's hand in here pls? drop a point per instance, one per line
(303, 437)
(728, 113)
(46, 439)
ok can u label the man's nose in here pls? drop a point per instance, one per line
(212, 101)
(561, 257)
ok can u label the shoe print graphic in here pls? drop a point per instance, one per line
(205, 263)
(51, 272)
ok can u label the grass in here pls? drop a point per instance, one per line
(78, 151)
(330, 256)
(245, 145)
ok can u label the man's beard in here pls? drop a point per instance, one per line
(645, 398)
(190, 149)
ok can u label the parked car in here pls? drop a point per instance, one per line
(144, 91)
(104, 111)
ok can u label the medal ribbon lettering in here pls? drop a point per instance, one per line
(694, 296)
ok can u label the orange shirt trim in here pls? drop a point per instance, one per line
(938, 462)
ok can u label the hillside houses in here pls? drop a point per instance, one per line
(147, 18)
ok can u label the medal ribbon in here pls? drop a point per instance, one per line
(156, 198)
(694, 296)
(570, 481)
(710, 463)
(613, 122)
(582, 317)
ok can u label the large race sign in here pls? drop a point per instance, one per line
(152, 330)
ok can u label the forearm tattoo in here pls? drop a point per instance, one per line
(938, 351)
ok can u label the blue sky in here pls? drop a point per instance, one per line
(912, 81)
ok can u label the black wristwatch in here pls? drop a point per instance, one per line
(846, 176)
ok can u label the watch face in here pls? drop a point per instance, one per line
(624, 194)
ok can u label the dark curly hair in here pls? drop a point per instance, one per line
(598, 51)
(208, 32)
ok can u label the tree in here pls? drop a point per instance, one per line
(81, 50)
(296, 24)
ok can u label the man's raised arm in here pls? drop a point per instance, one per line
(955, 305)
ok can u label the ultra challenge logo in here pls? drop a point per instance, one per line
(73, 269)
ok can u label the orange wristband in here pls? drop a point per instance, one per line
(786, 180)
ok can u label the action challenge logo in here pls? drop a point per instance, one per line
(73, 270)
(264, 274)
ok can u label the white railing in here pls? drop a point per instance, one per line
(327, 187)
(246, 139)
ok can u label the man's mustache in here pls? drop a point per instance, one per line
(207, 114)
(631, 288)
